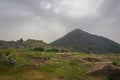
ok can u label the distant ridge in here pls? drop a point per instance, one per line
(79, 40)
(30, 43)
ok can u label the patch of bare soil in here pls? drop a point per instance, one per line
(40, 60)
(65, 56)
(80, 60)
(30, 66)
(36, 62)
(111, 72)
(89, 59)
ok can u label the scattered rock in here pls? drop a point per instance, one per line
(9, 60)
(110, 71)
(40, 60)
(36, 66)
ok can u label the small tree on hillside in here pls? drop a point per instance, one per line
(20, 41)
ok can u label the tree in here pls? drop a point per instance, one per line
(20, 41)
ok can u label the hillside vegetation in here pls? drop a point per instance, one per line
(36, 45)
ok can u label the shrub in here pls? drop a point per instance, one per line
(54, 50)
(39, 49)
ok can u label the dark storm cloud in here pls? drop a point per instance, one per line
(54, 18)
(21, 11)
(11, 14)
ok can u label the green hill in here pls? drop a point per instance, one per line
(37, 43)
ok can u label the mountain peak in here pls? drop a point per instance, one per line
(79, 40)
(78, 30)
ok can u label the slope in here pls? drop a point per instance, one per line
(79, 40)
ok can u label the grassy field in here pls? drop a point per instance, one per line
(32, 65)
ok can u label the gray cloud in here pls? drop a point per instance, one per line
(51, 19)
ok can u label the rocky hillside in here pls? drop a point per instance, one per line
(12, 44)
(23, 44)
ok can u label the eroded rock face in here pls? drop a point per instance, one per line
(110, 71)
(30, 44)
(12, 44)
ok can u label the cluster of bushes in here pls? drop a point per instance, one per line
(53, 50)
(41, 49)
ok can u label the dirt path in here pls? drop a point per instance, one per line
(100, 64)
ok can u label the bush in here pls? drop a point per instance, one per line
(116, 62)
(53, 50)
(39, 49)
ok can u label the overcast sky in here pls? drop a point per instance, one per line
(48, 20)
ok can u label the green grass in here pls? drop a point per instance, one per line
(73, 71)
(116, 62)
(49, 67)
(59, 67)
